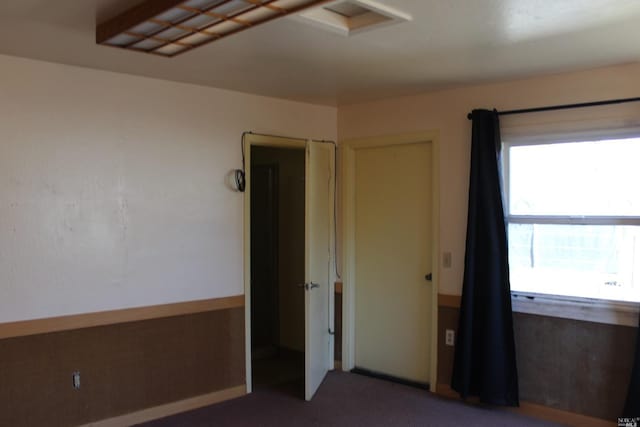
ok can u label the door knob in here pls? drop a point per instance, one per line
(429, 277)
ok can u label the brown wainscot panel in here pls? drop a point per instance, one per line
(124, 367)
(569, 365)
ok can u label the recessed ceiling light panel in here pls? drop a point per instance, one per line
(348, 17)
(347, 9)
(171, 27)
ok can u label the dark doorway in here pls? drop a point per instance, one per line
(265, 317)
(277, 268)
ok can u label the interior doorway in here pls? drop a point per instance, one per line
(277, 181)
(315, 188)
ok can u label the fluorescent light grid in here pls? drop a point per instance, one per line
(193, 23)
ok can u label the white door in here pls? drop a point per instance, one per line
(393, 248)
(319, 211)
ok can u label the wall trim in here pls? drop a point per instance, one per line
(537, 411)
(452, 301)
(101, 318)
(171, 408)
(584, 309)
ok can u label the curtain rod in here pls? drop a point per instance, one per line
(565, 106)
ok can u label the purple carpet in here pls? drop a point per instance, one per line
(346, 400)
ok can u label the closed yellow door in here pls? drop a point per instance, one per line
(393, 252)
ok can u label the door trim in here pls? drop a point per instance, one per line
(347, 176)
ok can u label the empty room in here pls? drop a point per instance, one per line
(312, 212)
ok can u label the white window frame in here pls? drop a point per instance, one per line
(577, 308)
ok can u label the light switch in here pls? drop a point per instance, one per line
(446, 259)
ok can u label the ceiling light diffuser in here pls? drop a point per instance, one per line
(171, 27)
(349, 17)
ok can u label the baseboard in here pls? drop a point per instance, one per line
(538, 411)
(171, 408)
(560, 416)
(445, 390)
(391, 378)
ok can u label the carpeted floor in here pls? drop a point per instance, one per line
(346, 400)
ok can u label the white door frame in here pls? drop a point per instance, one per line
(348, 150)
(251, 140)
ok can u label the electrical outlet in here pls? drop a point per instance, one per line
(446, 259)
(450, 337)
(76, 379)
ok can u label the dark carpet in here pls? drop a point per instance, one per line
(346, 400)
(282, 368)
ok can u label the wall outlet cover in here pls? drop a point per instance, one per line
(450, 337)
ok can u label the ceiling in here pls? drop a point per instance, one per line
(448, 43)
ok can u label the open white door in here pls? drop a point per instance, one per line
(319, 211)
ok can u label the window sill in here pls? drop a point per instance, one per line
(584, 309)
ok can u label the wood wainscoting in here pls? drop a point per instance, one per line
(571, 372)
(134, 364)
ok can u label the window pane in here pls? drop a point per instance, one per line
(577, 179)
(591, 261)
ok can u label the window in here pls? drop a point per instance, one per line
(573, 214)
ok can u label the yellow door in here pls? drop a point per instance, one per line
(393, 229)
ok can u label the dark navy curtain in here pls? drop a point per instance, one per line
(485, 360)
(632, 408)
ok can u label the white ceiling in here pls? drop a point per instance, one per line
(448, 43)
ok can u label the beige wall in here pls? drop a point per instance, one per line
(446, 111)
(113, 188)
(113, 191)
